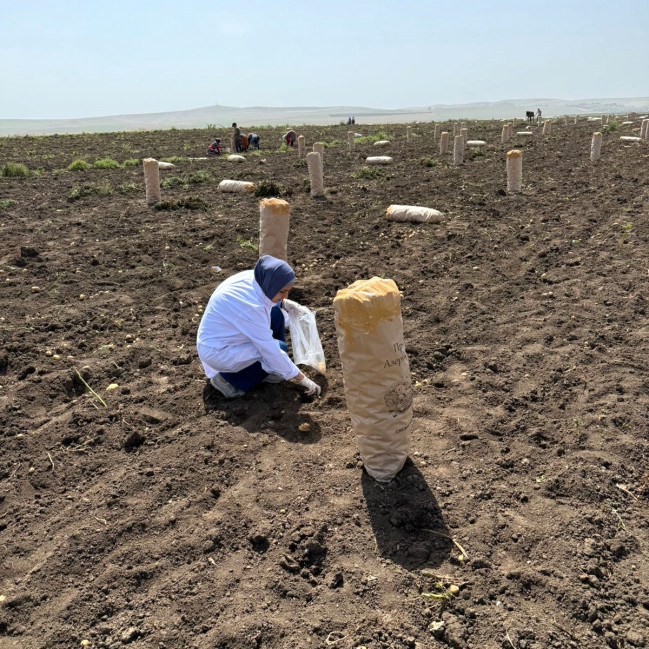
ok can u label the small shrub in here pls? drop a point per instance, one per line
(6, 203)
(189, 203)
(250, 244)
(129, 188)
(102, 188)
(429, 162)
(132, 162)
(15, 170)
(125, 147)
(367, 173)
(269, 189)
(79, 165)
(171, 182)
(107, 163)
(611, 126)
(198, 177)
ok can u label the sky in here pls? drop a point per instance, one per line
(65, 59)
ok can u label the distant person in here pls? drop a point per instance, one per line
(349, 121)
(538, 114)
(215, 147)
(289, 138)
(253, 140)
(237, 137)
(353, 120)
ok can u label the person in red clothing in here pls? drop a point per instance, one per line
(215, 147)
(289, 138)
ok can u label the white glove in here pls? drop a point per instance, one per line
(311, 386)
(292, 308)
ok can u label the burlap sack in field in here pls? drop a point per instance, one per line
(274, 219)
(376, 373)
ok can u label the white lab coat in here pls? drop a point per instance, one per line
(235, 330)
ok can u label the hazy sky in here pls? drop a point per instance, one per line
(83, 58)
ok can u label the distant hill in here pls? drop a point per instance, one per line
(223, 116)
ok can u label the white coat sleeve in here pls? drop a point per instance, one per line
(273, 358)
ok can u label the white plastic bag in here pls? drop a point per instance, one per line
(307, 348)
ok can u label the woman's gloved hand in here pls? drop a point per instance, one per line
(292, 308)
(312, 388)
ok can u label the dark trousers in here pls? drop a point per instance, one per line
(247, 378)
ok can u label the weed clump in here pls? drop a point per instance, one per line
(102, 188)
(129, 188)
(175, 158)
(249, 244)
(188, 203)
(367, 173)
(429, 162)
(6, 203)
(79, 165)
(14, 170)
(171, 182)
(271, 189)
(198, 177)
(107, 163)
(132, 162)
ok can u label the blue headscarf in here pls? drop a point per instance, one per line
(273, 275)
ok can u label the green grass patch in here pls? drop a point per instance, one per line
(132, 162)
(367, 173)
(199, 176)
(6, 203)
(332, 143)
(189, 203)
(101, 188)
(171, 182)
(130, 188)
(14, 170)
(79, 165)
(107, 163)
(175, 158)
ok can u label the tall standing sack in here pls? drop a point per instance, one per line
(376, 373)
(274, 221)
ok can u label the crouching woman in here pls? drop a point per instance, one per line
(240, 339)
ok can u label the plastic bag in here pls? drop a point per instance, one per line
(307, 348)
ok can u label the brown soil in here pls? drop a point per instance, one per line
(166, 521)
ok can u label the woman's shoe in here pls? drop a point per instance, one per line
(226, 389)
